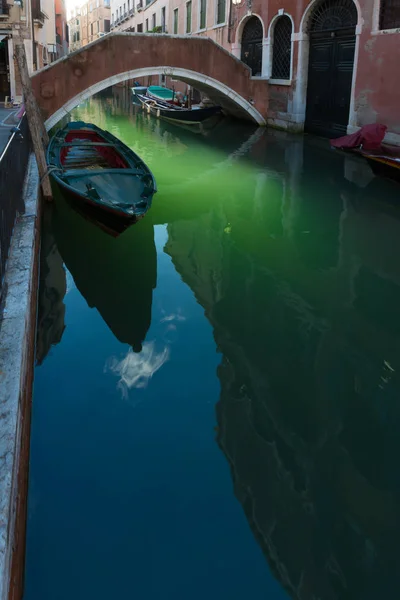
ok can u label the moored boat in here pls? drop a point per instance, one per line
(385, 163)
(139, 89)
(161, 93)
(187, 116)
(103, 178)
(383, 159)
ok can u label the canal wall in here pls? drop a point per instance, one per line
(17, 347)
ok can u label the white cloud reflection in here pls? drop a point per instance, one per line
(136, 369)
(173, 317)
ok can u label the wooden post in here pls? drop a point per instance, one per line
(39, 136)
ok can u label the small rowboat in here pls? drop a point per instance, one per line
(104, 178)
(186, 116)
(158, 92)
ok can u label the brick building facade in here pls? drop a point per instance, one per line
(330, 64)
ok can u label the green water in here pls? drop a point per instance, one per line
(216, 405)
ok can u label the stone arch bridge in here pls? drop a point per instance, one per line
(117, 57)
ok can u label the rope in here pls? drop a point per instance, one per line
(48, 171)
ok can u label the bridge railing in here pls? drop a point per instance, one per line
(13, 164)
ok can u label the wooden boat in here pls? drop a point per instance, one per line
(385, 163)
(157, 92)
(383, 159)
(188, 116)
(104, 178)
(139, 89)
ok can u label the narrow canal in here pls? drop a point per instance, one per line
(216, 407)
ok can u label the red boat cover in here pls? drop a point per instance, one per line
(369, 137)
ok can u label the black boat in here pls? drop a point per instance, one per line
(177, 114)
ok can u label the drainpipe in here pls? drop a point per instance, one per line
(34, 57)
(230, 22)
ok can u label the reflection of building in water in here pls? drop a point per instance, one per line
(52, 289)
(308, 416)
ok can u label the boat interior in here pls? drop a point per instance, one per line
(85, 149)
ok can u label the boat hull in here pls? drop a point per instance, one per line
(112, 222)
(100, 177)
(384, 167)
(178, 115)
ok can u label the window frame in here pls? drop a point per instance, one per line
(163, 19)
(188, 21)
(281, 79)
(217, 4)
(204, 27)
(378, 20)
(267, 73)
(175, 24)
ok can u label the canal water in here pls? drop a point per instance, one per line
(216, 403)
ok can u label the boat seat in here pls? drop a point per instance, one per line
(84, 172)
(83, 143)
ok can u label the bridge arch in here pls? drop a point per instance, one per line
(207, 84)
(118, 57)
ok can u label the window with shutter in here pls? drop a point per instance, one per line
(282, 48)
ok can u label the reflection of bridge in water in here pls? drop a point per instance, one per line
(303, 308)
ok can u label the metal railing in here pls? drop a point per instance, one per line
(13, 162)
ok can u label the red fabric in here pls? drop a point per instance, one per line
(21, 111)
(370, 137)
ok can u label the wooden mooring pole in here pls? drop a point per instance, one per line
(39, 136)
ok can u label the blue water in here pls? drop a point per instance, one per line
(215, 409)
(131, 496)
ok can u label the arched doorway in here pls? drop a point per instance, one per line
(332, 31)
(252, 37)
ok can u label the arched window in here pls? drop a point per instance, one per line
(333, 15)
(282, 49)
(252, 37)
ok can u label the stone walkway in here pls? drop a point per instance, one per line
(6, 122)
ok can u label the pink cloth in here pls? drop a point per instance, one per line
(21, 111)
(370, 137)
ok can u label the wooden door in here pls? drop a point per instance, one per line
(4, 71)
(330, 77)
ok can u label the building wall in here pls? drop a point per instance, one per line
(95, 20)
(214, 30)
(375, 94)
(74, 28)
(377, 89)
(15, 21)
(61, 28)
(45, 35)
(139, 16)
